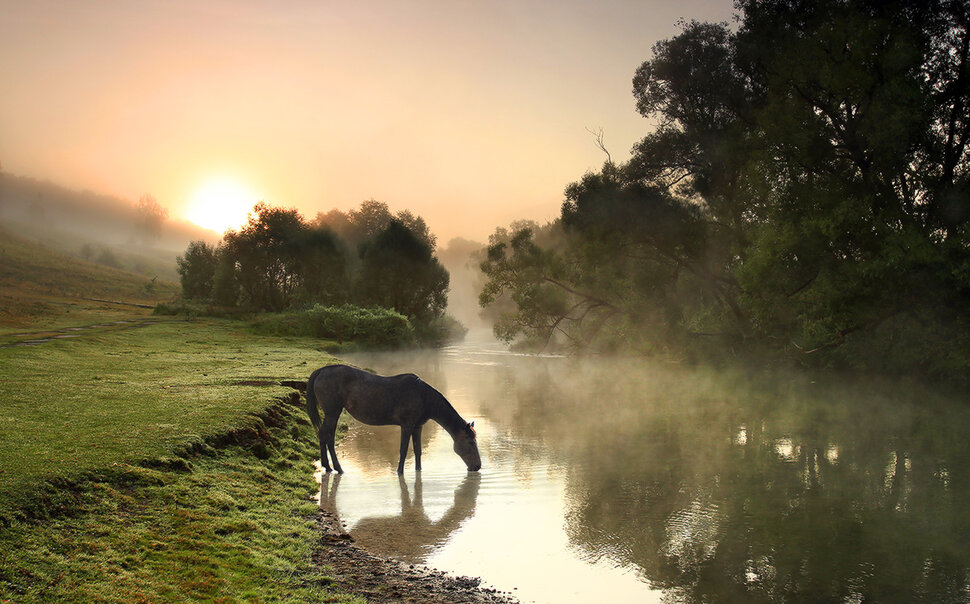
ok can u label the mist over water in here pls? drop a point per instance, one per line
(634, 482)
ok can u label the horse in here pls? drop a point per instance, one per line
(401, 400)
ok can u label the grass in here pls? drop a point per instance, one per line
(111, 489)
(79, 405)
(230, 527)
(44, 288)
(151, 460)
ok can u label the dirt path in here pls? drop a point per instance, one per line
(382, 580)
(33, 338)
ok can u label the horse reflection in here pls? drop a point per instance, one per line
(411, 536)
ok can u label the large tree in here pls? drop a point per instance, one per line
(400, 271)
(197, 269)
(806, 189)
(279, 261)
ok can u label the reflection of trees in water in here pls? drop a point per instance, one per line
(719, 487)
(806, 500)
(411, 535)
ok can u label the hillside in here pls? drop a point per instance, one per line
(43, 287)
(92, 226)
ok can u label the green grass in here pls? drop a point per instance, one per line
(111, 489)
(234, 528)
(78, 405)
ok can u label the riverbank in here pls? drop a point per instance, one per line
(168, 463)
(234, 519)
(380, 579)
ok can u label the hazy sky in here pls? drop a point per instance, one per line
(470, 114)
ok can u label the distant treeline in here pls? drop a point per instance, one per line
(805, 195)
(366, 258)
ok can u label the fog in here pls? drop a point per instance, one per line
(644, 481)
(461, 257)
(95, 227)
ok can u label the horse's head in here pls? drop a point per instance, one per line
(466, 446)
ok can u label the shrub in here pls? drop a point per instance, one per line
(372, 327)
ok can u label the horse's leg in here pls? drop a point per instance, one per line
(322, 437)
(416, 441)
(405, 441)
(330, 428)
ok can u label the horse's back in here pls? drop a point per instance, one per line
(369, 398)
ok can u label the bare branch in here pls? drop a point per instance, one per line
(598, 137)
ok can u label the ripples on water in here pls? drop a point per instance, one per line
(618, 481)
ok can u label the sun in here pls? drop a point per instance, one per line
(220, 204)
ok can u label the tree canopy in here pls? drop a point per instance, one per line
(279, 261)
(807, 190)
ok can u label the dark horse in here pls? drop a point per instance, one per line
(402, 400)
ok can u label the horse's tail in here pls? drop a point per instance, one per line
(312, 405)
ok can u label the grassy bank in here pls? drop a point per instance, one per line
(43, 288)
(153, 464)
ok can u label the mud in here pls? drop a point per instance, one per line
(383, 580)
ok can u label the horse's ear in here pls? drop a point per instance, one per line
(471, 426)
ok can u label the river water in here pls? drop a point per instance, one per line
(625, 481)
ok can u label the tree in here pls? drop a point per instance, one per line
(279, 261)
(322, 266)
(806, 190)
(196, 269)
(399, 271)
(151, 218)
(225, 287)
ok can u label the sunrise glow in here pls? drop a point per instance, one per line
(220, 204)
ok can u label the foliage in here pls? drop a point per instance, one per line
(278, 262)
(225, 287)
(372, 327)
(358, 226)
(197, 269)
(440, 331)
(399, 271)
(806, 187)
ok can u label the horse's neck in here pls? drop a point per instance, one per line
(447, 417)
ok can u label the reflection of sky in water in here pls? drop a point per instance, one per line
(625, 481)
(509, 530)
(512, 534)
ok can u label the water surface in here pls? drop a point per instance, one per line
(625, 481)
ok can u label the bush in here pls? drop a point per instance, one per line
(372, 327)
(198, 309)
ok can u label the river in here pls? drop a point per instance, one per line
(629, 481)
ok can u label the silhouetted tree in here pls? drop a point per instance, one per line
(399, 271)
(806, 191)
(279, 260)
(225, 287)
(196, 269)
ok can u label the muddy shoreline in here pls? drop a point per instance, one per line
(382, 580)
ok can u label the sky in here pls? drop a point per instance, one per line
(470, 114)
